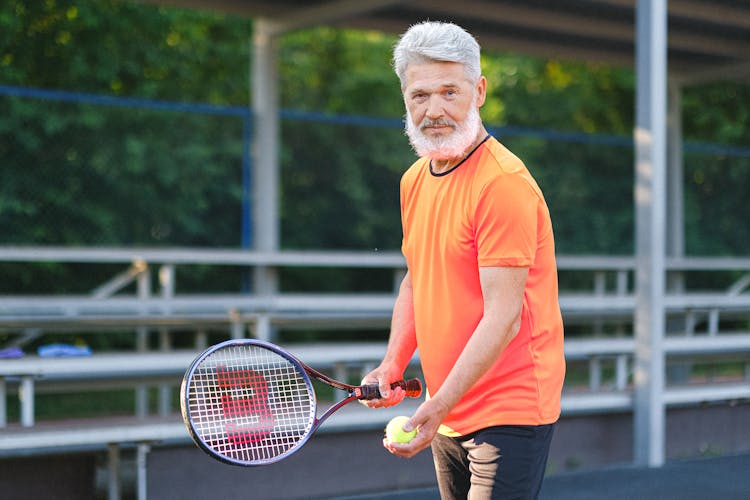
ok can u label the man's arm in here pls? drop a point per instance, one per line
(503, 290)
(401, 346)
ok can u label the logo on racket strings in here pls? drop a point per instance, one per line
(244, 401)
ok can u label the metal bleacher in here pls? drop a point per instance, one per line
(704, 328)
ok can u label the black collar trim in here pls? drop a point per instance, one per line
(461, 162)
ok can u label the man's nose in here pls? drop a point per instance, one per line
(434, 108)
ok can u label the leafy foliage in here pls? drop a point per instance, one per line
(84, 174)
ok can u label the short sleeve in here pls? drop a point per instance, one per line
(505, 222)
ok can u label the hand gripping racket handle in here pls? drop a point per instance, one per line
(413, 388)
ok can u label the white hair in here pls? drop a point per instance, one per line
(437, 41)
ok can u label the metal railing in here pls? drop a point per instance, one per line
(704, 326)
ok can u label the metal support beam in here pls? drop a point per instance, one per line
(676, 372)
(675, 185)
(114, 482)
(675, 174)
(120, 281)
(3, 404)
(141, 470)
(26, 396)
(263, 328)
(733, 71)
(650, 228)
(142, 340)
(168, 285)
(325, 13)
(265, 104)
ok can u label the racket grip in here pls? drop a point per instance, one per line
(412, 387)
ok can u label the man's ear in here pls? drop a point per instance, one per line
(481, 91)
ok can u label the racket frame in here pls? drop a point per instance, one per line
(185, 401)
(353, 392)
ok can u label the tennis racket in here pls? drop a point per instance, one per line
(248, 402)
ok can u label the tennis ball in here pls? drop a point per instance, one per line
(395, 433)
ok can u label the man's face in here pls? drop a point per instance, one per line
(442, 109)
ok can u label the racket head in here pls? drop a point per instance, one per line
(248, 402)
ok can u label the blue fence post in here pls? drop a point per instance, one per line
(247, 181)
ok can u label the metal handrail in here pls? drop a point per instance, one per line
(241, 313)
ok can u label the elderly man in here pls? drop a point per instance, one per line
(479, 299)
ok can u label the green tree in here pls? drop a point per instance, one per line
(715, 195)
(85, 174)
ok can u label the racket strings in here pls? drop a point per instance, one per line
(250, 404)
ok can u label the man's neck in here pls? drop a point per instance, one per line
(444, 165)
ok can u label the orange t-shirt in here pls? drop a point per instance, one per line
(488, 211)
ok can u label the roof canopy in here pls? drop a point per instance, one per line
(707, 39)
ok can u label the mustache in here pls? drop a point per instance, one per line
(440, 122)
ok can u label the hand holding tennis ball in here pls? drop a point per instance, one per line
(395, 433)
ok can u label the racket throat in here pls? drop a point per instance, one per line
(333, 409)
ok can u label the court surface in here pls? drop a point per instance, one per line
(725, 478)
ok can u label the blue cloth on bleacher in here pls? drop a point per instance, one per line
(63, 350)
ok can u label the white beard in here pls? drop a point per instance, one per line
(454, 145)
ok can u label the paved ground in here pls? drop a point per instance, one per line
(346, 465)
(725, 478)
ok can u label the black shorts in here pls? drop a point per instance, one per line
(504, 462)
